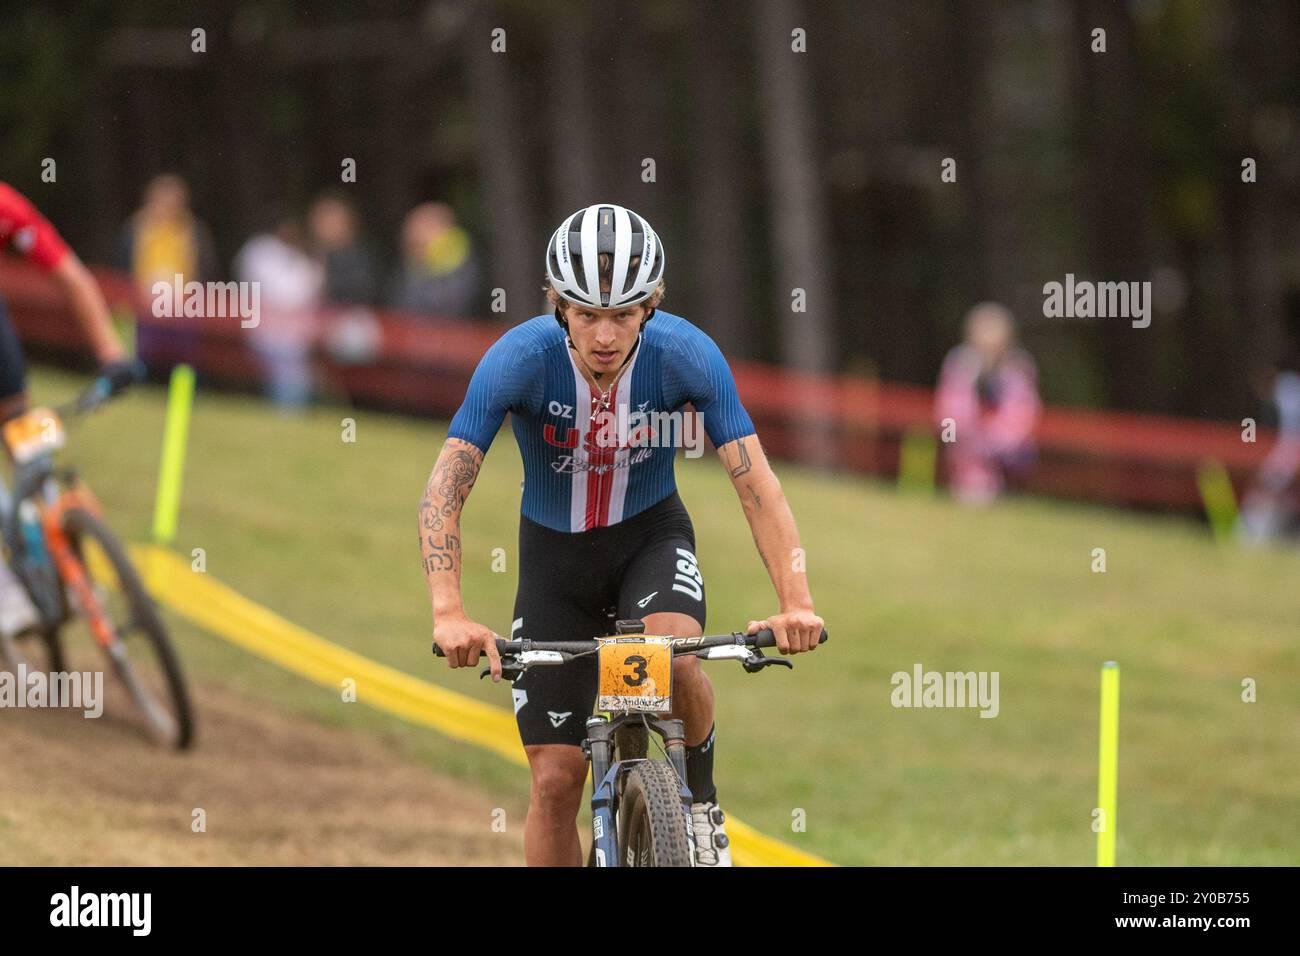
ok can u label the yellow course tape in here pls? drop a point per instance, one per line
(221, 610)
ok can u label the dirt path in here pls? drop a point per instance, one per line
(277, 790)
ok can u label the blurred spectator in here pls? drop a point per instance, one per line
(988, 387)
(161, 240)
(1268, 510)
(351, 277)
(439, 272)
(290, 286)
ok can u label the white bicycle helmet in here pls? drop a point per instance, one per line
(572, 257)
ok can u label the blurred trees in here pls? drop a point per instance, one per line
(763, 169)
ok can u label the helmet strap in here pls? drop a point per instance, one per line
(564, 325)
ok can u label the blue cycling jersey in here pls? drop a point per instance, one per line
(581, 469)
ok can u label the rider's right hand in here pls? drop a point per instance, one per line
(462, 641)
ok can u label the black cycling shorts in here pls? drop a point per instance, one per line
(573, 585)
(13, 370)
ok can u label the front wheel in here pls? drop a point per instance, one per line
(652, 822)
(139, 650)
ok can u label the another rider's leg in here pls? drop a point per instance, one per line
(13, 369)
(17, 613)
(550, 831)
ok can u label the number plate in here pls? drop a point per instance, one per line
(37, 433)
(636, 674)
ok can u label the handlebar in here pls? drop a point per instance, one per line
(108, 384)
(88, 399)
(680, 645)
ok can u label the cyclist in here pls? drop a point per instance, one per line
(603, 531)
(26, 232)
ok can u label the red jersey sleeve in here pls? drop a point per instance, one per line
(27, 232)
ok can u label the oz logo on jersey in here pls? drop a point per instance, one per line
(688, 579)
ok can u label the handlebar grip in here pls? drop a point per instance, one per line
(765, 638)
(502, 644)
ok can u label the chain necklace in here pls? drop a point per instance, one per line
(601, 404)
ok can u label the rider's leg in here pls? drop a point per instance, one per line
(693, 705)
(692, 692)
(12, 405)
(13, 369)
(550, 830)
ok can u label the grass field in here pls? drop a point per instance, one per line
(323, 532)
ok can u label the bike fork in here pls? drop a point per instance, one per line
(599, 747)
(674, 733)
(74, 576)
(604, 828)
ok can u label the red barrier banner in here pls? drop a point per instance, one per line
(422, 365)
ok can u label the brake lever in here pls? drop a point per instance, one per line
(509, 671)
(757, 661)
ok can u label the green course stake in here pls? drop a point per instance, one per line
(180, 398)
(124, 324)
(1219, 498)
(916, 458)
(1108, 768)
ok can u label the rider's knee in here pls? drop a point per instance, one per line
(687, 671)
(558, 783)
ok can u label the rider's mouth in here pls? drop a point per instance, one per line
(606, 356)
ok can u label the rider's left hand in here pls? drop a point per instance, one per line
(796, 630)
(122, 373)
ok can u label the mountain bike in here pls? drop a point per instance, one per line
(640, 806)
(74, 569)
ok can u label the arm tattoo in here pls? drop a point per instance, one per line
(443, 553)
(444, 496)
(744, 464)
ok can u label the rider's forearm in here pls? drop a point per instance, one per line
(777, 539)
(89, 307)
(440, 508)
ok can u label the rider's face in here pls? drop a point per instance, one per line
(604, 337)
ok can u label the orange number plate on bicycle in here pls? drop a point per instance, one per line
(636, 674)
(37, 433)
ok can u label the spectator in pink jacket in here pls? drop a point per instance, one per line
(987, 406)
(1269, 510)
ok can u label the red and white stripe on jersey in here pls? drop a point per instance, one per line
(599, 489)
